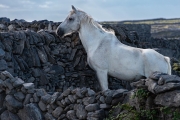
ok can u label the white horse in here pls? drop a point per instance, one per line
(107, 55)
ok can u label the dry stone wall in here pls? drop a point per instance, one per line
(34, 53)
(22, 101)
(48, 77)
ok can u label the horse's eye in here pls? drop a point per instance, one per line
(70, 19)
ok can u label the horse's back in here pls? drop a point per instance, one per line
(137, 62)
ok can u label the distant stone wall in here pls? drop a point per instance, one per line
(133, 32)
(167, 31)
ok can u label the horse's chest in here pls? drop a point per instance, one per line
(96, 61)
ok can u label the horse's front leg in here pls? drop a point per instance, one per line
(103, 78)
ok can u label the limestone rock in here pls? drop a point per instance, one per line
(30, 112)
(164, 79)
(139, 84)
(3, 65)
(48, 116)
(57, 112)
(71, 115)
(169, 99)
(46, 98)
(6, 115)
(81, 112)
(92, 107)
(19, 96)
(90, 92)
(42, 106)
(119, 93)
(11, 101)
(18, 82)
(155, 88)
(88, 100)
(156, 75)
(2, 53)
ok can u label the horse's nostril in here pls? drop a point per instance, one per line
(60, 32)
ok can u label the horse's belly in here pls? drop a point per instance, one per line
(126, 74)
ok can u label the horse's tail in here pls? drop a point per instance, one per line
(167, 59)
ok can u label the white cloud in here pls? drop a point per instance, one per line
(44, 6)
(47, 4)
(3, 6)
(27, 2)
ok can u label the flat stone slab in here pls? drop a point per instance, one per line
(156, 89)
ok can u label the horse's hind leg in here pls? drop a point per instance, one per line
(103, 79)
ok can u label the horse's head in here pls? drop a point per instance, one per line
(70, 24)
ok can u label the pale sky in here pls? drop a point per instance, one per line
(100, 10)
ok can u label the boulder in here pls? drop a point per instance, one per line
(164, 79)
(30, 112)
(71, 115)
(19, 96)
(2, 53)
(49, 116)
(6, 115)
(42, 106)
(92, 107)
(168, 99)
(81, 113)
(12, 102)
(57, 112)
(3, 65)
(156, 89)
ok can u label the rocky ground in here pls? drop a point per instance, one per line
(20, 100)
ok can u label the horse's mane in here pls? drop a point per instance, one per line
(91, 21)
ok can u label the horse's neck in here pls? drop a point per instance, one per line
(90, 37)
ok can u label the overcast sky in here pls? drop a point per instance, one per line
(100, 10)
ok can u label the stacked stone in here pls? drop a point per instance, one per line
(164, 86)
(7, 25)
(20, 101)
(159, 91)
(41, 57)
(56, 64)
(15, 94)
(41, 61)
(48, 61)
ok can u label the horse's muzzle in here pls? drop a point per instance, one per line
(60, 32)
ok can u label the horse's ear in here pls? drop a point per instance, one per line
(74, 8)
